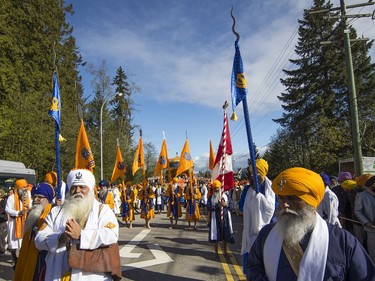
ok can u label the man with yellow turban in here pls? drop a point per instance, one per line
(301, 245)
(220, 225)
(146, 196)
(174, 193)
(17, 206)
(257, 208)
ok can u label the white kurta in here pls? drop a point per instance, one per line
(13, 242)
(117, 199)
(258, 210)
(93, 235)
(204, 193)
(328, 209)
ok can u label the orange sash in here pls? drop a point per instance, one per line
(20, 220)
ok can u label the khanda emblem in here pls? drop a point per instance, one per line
(281, 184)
(121, 165)
(241, 81)
(187, 156)
(86, 153)
(162, 160)
(55, 104)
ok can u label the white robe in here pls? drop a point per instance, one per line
(117, 199)
(93, 235)
(13, 242)
(328, 209)
(258, 210)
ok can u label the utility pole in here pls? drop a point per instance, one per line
(356, 138)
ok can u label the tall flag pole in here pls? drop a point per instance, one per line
(211, 163)
(223, 170)
(163, 161)
(139, 159)
(84, 156)
(238, 94)
(54, 112)
(119, 169)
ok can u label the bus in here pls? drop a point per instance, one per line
(10, 171)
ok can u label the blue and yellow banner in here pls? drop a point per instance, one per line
(55, 109)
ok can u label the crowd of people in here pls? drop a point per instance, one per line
(289, 223)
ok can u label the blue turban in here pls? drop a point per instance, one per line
(104, 183)
(325, 179)
(44, 189)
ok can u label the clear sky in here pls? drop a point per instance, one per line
(180, 53)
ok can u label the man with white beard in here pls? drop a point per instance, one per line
(220, 229)
(17, 206)
(82, 219)
(301, 245)
(31, 262)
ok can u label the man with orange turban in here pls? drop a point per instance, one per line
(301, 245)
(257, 208)
(174, 193)
(17, 207)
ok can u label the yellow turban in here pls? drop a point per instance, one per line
(349, 184)
(175, 179)
(262, 167)
(22, 183)
(361, 180)
(216, 184)
(128, 183)
(303, 183)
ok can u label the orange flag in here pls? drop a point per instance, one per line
(119, 170)
(163, 159)
(211, 164)
(186, 162)
(84, 157)
(139, 159)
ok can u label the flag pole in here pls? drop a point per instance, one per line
(245, 111)
(56, 103)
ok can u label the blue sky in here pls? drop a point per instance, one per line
(180, 53)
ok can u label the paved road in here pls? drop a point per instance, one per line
(160, 253)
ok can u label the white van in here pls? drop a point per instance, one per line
(11, 171)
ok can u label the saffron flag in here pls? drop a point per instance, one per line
(119, 170)
(163, 159)
(84, 157)
(238, 81)
(139, 159)
(211, 163)
(186, 162)
(223, 170)
(55, 109)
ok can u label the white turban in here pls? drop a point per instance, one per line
(81, 177)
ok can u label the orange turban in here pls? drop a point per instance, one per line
(262, 167)
(22, 183)
(303, 183)
(361, 180)
(51, 178)
(216, 184)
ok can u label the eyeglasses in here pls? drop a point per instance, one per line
(40, 197)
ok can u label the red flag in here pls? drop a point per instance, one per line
(223, 170)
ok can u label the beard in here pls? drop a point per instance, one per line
(33, 216)
(102, 192)
(217, 197)
(296, 223)
(78, 207)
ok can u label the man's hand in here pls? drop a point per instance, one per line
(73, 229)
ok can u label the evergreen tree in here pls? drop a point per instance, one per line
(316, 119)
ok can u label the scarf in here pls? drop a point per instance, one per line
(317, 250)
(20, 220)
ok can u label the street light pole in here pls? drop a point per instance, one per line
(101, 135)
